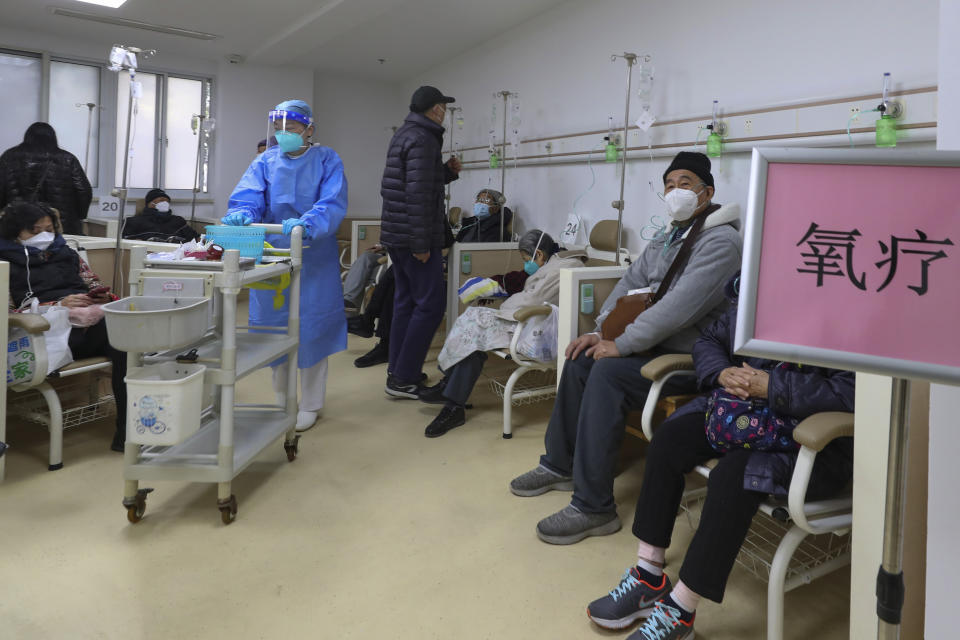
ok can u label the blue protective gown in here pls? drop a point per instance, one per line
(313, 187)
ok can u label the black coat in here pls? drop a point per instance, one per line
(153, 224)
(54, 273)
(65, 186)
(412, 188)
(487, 229)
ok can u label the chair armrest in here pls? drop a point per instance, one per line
(382, 260)
(817, 431)
(660, 366)
(29, 322)
(525, 313)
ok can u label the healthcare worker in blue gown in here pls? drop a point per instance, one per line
(296, 183)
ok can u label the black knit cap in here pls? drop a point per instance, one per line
(695, 163)
(153, 194)
(427, 96)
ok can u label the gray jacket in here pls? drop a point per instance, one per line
(695, 299)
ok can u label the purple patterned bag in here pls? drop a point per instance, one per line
(733, 423)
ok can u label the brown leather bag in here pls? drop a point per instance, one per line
(624, 313)
(629, 307)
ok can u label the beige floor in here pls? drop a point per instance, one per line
(374, 532)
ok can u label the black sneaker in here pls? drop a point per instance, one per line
(399, 389)
(358, 327)
(634, 598)
(378, 355)
(434, 394)
(449, 418)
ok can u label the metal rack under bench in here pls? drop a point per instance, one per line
(231, 434)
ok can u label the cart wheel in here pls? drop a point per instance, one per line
(228, 509)
(135, 514)
(136, 506)
(292, 448)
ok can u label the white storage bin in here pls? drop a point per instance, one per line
(147, 324)
(164, 402)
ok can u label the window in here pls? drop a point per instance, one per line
(166, 134)
(165, 111)
(20, 89)
(75, 112)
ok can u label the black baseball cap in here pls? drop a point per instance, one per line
(427, 96)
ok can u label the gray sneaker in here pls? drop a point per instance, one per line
(538, 481)
(570, 525)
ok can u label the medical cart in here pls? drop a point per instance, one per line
(228, 435)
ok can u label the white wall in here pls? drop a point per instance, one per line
(746, 53)
(943, 520)
(243, 94)
(354, 117)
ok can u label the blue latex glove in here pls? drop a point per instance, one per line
(236, 219)
(290, 223)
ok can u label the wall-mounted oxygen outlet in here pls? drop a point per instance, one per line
(586, 298)
(854, 114)
(894, 109)
(748, 125)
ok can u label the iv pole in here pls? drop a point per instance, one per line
(631, 59)
(129, 62)
(503, 153)
(452, 111)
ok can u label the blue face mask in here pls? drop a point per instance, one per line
(481, 209)
(288, 142)
(530, 267)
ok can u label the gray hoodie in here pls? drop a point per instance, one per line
(695, 298)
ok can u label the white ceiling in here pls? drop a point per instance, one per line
(345, 36)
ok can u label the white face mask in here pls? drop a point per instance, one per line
(681, 204)
(162, 207)
(40, 241)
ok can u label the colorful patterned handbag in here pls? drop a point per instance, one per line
(734, 423)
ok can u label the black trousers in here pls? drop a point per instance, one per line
(92, 342)
(587, 424)
(463, 376)
(678, 446)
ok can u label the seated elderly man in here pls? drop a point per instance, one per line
(601, 380)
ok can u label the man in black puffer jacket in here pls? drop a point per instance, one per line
(414, 230)
(38, 170)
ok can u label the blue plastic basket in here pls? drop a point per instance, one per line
(248, 240)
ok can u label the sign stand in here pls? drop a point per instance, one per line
(890, 590)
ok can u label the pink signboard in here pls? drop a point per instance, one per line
(852, 260)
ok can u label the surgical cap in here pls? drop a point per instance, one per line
(298, 106)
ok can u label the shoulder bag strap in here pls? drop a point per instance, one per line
(680, 261)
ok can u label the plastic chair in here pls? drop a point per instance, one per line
(524, 365)
(603, 242)
(799, 517)
(35, 325)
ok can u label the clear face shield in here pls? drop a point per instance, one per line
(287, 130)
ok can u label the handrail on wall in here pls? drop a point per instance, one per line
(746, 112)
